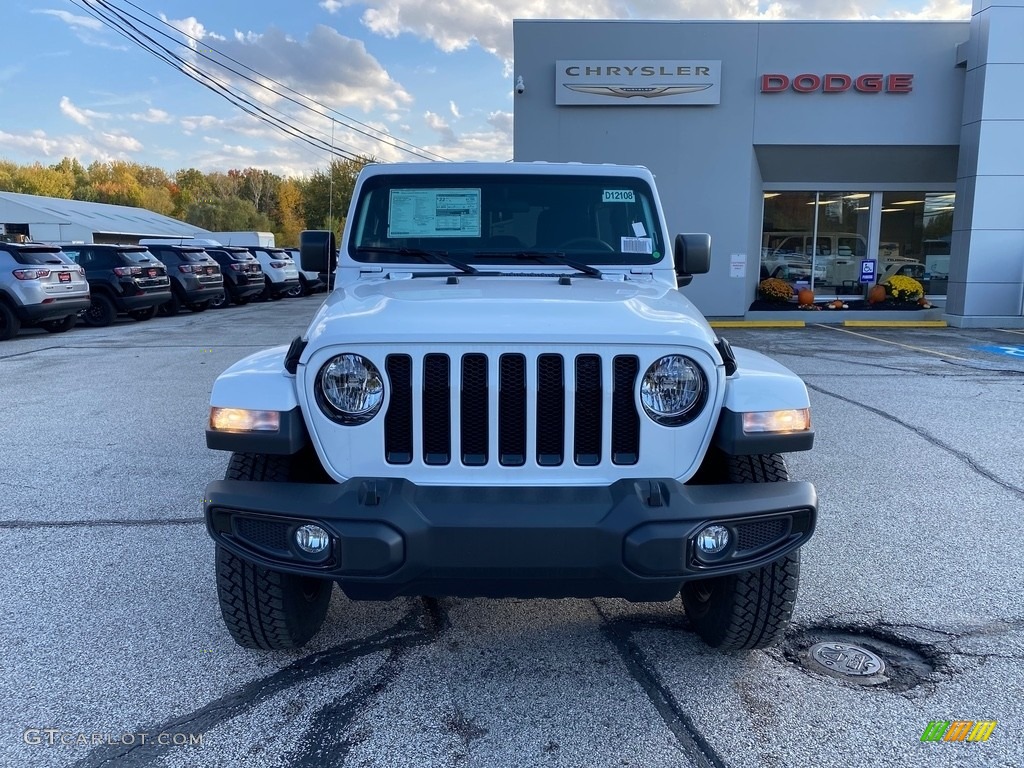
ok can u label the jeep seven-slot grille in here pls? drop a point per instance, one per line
(504, 404)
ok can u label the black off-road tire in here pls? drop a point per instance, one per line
(263, 608)
(10, 324)
(143, 314)
(101, 311)
(752, 609)
(221, 302)
(60, 326)
(170, 308)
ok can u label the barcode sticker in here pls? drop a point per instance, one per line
(637, 245)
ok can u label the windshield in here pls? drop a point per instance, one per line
(40, 256)
(502, 218)
(139, 257)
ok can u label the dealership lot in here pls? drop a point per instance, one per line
(113, 636)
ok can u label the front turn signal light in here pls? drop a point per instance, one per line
(244, 420)
(794, 420)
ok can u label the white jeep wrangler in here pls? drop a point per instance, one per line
(506, 394)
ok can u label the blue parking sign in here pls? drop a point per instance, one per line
(868, 270)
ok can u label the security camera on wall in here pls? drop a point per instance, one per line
(520, 85)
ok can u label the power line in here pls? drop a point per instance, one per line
(345, 120)
(378, 135)
(208, 81)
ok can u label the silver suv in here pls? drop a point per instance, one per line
(39, 286)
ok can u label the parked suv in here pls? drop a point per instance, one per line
(122, 279)
(508, 395)
(280, 271)
(196, 278)
(243, 275)
(310, 282)
(39, 286)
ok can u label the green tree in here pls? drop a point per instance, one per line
(228, 214)
(323, 201)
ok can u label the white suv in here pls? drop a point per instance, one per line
(39, 286)
(507, 394)
(279, 270)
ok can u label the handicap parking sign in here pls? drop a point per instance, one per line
(867, 270)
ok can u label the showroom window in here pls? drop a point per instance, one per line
(915, 236)
(819, 239)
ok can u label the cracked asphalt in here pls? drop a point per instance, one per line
(112, 635)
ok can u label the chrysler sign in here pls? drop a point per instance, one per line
(669, 81)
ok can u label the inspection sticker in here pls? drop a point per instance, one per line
(617, 196)
(637, 245)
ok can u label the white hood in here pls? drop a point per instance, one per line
(509, 309)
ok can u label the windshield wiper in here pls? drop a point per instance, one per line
(555, 256)
(435, 257)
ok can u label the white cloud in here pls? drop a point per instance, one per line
(81, 116)
(454, 109)
(437, 123)
(332, 6)
(38, 146)
(457, 24)
(151, 115)
(119, 142)
(85, 22)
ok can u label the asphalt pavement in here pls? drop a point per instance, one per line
(114, 652)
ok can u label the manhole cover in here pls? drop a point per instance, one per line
(846, 660)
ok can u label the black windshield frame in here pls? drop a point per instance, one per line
(509, 213)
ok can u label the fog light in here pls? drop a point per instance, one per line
(713, 540)
(312, 539)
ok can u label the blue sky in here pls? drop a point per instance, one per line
(421, 73)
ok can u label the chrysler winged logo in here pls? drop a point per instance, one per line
(629, 91)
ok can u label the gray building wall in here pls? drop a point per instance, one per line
(986, 285)
(713, 162)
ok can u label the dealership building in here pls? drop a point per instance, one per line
(831, 153)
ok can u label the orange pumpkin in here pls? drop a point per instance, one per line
(877, 294)
(805, 297)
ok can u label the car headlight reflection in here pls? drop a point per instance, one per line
(349, 389)
(674, 390)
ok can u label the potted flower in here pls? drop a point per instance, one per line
(774, 290)
(901, 289)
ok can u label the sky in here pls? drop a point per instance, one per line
(390, 79)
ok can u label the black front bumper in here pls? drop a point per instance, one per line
(631, 539)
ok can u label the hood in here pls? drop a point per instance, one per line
(509, 309)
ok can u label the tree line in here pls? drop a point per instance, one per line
(238, 200)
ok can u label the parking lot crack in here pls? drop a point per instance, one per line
(329, 737)
(103, 523)
(414, 629)
(927, 436)
(691, 741)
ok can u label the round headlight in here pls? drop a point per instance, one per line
(673, 390)
(350, 389)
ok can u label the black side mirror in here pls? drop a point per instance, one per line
(692, 257)
(318, 251)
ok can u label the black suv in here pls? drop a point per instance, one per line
(243, 275)
(196, 279)
(122, 279)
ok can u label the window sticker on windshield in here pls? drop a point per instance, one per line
(637, 245)
(434, 213)
(638, 229)
(617, 196)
